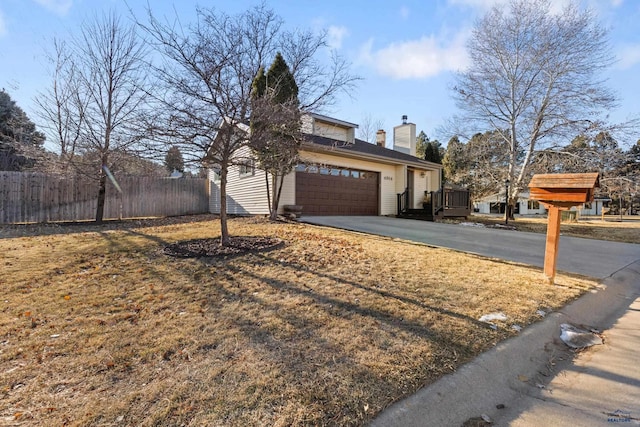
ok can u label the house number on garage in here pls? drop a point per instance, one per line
(388, 178)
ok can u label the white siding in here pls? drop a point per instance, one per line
(246, 195)
(419, 187)
(401, 181)
(595, 209)
(399, 185)
(214, 193)
(288, 196)
(404, 138)
(388, 176)
(307, 124)
(329, 130)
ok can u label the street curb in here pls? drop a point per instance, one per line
(517, 367)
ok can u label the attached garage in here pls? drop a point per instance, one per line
(337, 191)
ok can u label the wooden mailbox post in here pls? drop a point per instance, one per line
(559, 192)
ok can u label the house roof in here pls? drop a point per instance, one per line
(360, 148)
(332, 120)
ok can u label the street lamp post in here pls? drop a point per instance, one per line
(506, 201)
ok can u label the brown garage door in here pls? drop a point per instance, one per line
(337, 191)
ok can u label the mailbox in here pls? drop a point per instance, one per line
(569, 189)
(559, 192)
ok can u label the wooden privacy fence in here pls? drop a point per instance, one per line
(37, 197)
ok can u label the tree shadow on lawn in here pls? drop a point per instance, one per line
(383, 293)
(304, 355)
(304, 347)
(8, 231)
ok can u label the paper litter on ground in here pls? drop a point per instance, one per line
(493, 316)
(576, 337)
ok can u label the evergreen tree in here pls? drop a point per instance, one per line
(432, 153)
(428, 152)
(20, 142)
(173, 160)
(280, 80)
(259, 85)
(275, 126)
(421, 144)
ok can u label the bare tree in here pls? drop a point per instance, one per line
(534, 79)
(98, 93)
(207, 72)
(61, 106)
(369, 127)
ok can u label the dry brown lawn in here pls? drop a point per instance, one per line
(612, 228)
(99, 327)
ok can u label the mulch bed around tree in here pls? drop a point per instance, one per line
(211, 248)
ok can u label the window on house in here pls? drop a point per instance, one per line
(533, 205)
(587, 205)
(247, 168)
(301, 167)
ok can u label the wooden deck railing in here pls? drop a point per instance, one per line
(442, 203)
(403, 201)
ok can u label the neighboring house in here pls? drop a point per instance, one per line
(337, 174)
(495, 204)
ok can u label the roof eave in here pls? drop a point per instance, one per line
(310, 146)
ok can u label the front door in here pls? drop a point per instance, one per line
(410, 181)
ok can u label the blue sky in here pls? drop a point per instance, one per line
(406, 51)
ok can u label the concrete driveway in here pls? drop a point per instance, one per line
(594, 258)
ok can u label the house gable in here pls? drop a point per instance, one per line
(328, 127)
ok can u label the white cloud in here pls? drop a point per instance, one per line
(404, 12)
(628, 56)
(416, 59)
(335, 35)
(59, 7)
(616, 3)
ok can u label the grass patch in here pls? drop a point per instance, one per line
(98, 326)
(612, 228)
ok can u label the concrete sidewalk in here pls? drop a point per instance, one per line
(534, 379)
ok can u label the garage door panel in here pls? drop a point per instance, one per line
(320, 194)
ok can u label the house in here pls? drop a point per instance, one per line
(494, 204)
(338, 174)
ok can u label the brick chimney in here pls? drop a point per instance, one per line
(381, 138)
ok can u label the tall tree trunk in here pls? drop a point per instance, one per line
(224, 230)
(266, 178)
(276, 197)
(102, 192)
